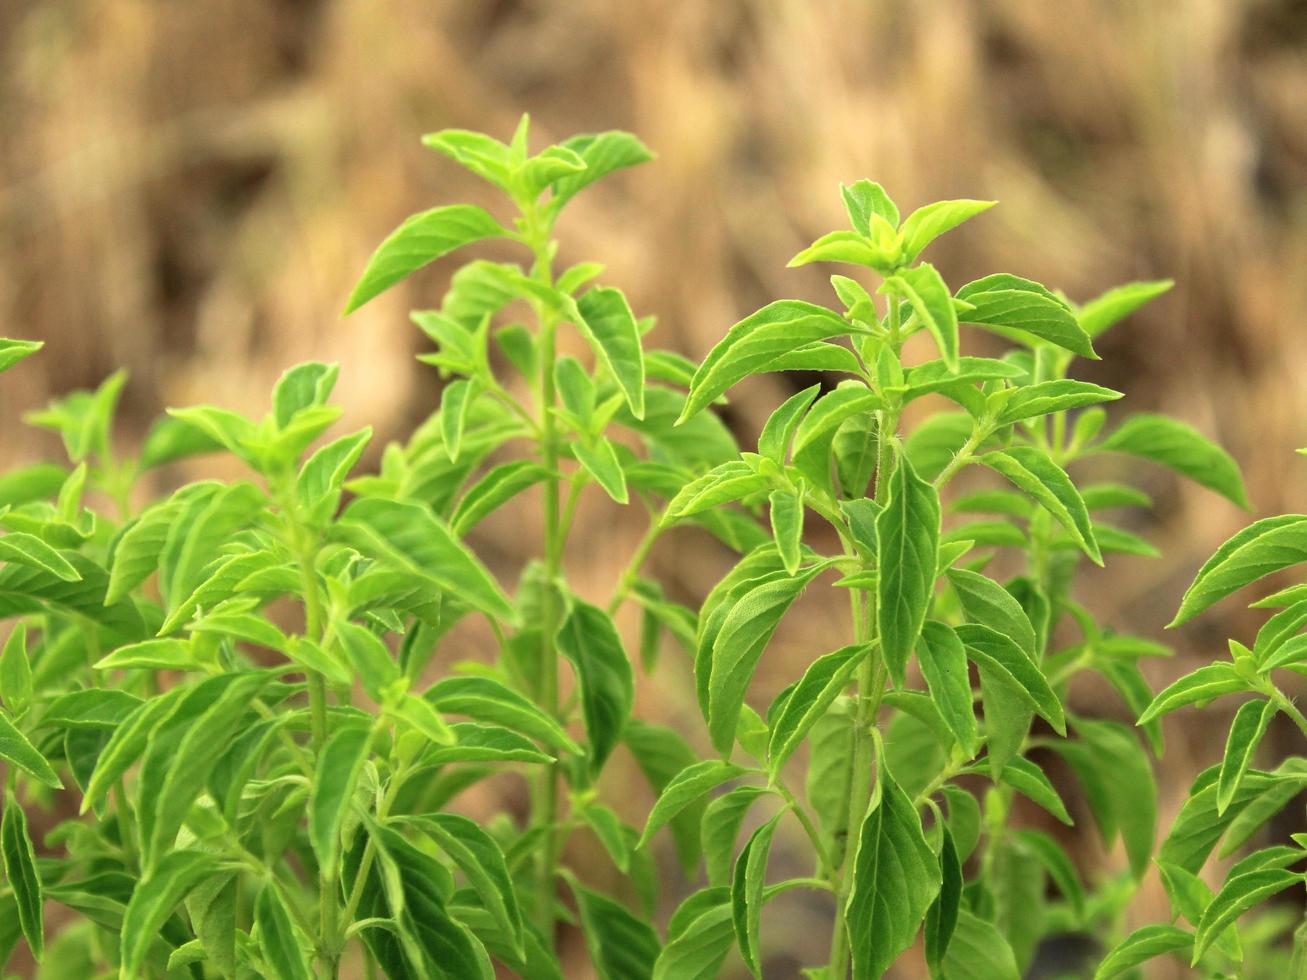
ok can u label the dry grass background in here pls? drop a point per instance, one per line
(188, 189)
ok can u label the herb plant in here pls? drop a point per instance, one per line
(234, 678)
(908, 743)
(1230, 805)
(259, 693)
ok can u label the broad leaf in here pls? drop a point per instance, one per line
(908, 534)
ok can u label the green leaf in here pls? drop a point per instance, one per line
(16, 671)
(1046, 397)
(849, 399)
(896, 877)
(1024, 311)
(698, 950)
(369, 657)
(1246, 731)
(1034, 473)
(1141, 946)
(610, 327)
(487, 700)
(26, 549)
(943, 661)
(606, 826)
(602, 153)
(589, 640)
(989, 604)
(774, 441)
(278, 943)
(414, 540)
(152, 902)
(1029, 780)
(809, 700)
(1123, 765)
(303, 386)
(1263, 547)
(621, 946)
(1181, 448)
(483, 155)
(743, 635)
(661, 755)
(721, 822)
(1007, 661)
(923, 379)
(158, 654)
(1239, 894)
(979, 950)
(747, 886)
(599, 459)
(1057, 864)
(786, 514)
(177, 765)
(454, 402)
(1116, 304)
(1200, 686)
(476, 854)
(942, 917)
(932, 303)
(13, 351)
(842, 246)
(927, 223)
(422, 238)
(338, 768)
(500, 485)
(129, 739)
(16, 750)
(908, 534)
(756, 340)
(686, 788)
(862, 199)
(22, 875)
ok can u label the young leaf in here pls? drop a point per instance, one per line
(602, 154)
(1263, 547)
(621, 946)
(1116, 304)
(755, 341)
(412, 539)
(26, 549)
(943, 661)
(476, 854)
(747, 893)
(1143, 945)
(1024, 311)
(1034, 473)
(786, 513)
(774, 441)
(422, 238)
(1237, 896)
(492, 491)
(989, 604)
(896, 877)
(1181, 448)
(20, 871)
(809, 700)
(1006, 660)
(743, 634)
(1029, 780)
(1199, 686)
(927, 223)
(152, 901)
(686, 788)
(930, 300)
(610, 327)
(16, 750)
(908, 534)
(721, 824)
(697, 951)
(942, 917)
(661, 755)
(1046, 397)
(1246, 730)
(338, 768)
(278, 943)
(589, 640)
(862, 199)
(486, 699)
(16, 671)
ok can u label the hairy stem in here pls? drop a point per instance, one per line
(545, 796)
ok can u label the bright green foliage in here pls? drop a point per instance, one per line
(1231, 805)
(237, 676)
(254, 689)
(888, 732)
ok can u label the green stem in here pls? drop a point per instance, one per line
(805, 819)
(545, 796)
(871, 687)
(626, 581)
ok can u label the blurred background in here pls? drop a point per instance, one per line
(188, 190)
